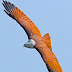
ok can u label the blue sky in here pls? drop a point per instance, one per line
(50, 16)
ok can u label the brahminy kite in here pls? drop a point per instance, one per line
(41, 44)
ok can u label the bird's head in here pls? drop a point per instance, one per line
(30, 44)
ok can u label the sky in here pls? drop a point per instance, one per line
(50, 16)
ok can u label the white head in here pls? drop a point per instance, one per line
(30, 44)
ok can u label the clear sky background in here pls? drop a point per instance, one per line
(50, 16)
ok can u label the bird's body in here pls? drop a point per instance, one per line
(48, 56)
(41, 44)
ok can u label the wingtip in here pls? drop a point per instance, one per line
(8, 6)
(2, 0)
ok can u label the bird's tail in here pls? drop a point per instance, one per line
(48, 41)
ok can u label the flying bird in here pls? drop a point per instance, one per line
(35, 40)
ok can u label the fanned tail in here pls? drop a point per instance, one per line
(48, 41)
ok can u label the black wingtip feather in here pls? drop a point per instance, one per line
(9, 14)
(8, 6)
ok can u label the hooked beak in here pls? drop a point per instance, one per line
(25, 45)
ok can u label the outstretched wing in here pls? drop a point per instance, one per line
(21, 18)
(48, 57)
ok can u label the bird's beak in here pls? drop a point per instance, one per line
(24, 45)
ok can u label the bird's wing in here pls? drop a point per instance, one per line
(48, 57)
(21, 18)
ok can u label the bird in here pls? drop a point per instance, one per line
(35, 40)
